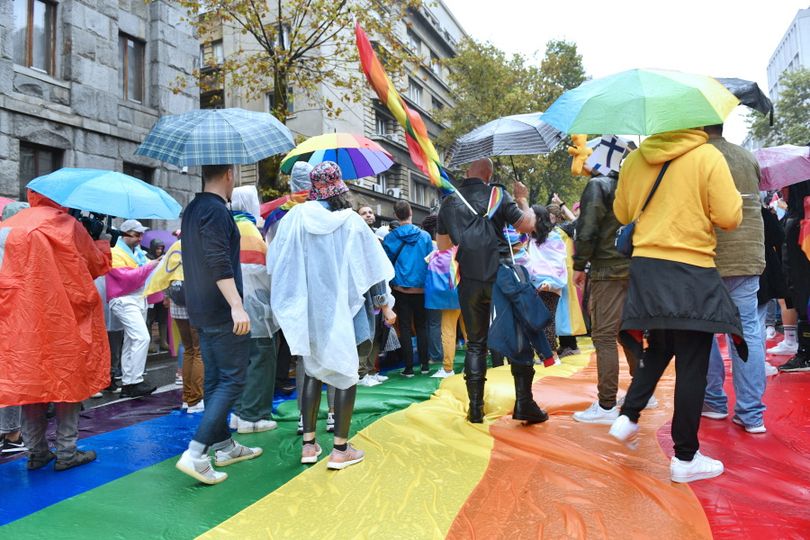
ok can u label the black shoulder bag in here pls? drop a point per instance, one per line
(624, 235)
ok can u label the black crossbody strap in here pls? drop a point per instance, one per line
(655, 187)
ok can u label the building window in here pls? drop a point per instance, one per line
(415, 92)
(414, 43)
(435, 64)
(382, 125)
(214, 99)
(212, 51)
(437, 104)
(36, 161)
(34, 34)
(383, 181)
(419, 192)
(139, 172)
(130, 78)
(271, 101)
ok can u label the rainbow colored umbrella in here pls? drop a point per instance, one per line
(357, 156)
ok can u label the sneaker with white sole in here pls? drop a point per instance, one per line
(233, 423)
(700, 468)
(184, 406)
(441, 374)
(770, 332)
(236, 454)
(750, 429)
(368, 380)
(652, 403)
(380, 377)
(798, 363)
(310, 453)
(97, 395)
(625, 431)
(595, 414)
(330, 422)
(783, 348)
(200, 469)
(770, 370)
(340, 459)
(198, 408)
(244, 426)
(708, 412)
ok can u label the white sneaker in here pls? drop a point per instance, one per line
(330, 422)
(198, 408)
(380, 377)
(652, 403)
(700, 468)
(595, 414)
(245, 426)
(234, 421)
(770, 370)
(442, 374)
(236, 454)
(708, 412)
(750, 429)
(784, 349)
(625, 431)
(368, 380)
(97, 395)
(200, 469)
(184, 406)
(770, 332)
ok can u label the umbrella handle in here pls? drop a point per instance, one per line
(514, 170)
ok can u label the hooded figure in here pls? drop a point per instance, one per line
(675, 292)
(53, 342)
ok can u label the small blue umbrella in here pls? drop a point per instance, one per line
(216, 137)
(106, 192)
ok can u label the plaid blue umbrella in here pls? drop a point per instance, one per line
(216, 137)
(106, 192)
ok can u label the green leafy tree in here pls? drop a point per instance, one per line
(792, 113)
(301, 44)
(489, 84)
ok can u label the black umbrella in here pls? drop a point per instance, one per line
(749, 94)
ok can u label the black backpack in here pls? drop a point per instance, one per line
(478, 247)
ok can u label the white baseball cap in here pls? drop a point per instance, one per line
(132, 225)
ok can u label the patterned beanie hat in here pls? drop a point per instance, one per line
(326, 181)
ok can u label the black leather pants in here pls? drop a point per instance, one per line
(475, 298)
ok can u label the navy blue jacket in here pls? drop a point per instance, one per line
(210, 253)
(406, 247)
(519, 318)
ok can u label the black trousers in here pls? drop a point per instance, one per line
(282, 361)
(691, 350)
(411, 314)
(797, 268)
(475, 298)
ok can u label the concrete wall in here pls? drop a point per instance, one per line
(79, 109)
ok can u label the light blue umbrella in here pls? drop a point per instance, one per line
(216, 137)
(106, 192)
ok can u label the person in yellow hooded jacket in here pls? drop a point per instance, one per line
(676, 295)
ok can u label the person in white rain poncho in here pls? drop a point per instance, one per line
(328, 273)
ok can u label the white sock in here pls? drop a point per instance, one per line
(197, 449)
(790, 334)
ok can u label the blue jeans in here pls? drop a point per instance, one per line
(434, 332)
(226, 357)
(749, 377)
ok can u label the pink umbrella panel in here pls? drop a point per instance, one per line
(783, 166)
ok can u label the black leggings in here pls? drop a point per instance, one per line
(311, 402)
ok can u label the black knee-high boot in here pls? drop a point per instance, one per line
(310, 402)
(475, 369)
(344, 407)
(526, 408)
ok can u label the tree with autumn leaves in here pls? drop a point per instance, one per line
(489, 84)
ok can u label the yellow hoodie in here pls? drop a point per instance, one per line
(696, 194)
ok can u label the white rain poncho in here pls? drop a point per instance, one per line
(321, 264)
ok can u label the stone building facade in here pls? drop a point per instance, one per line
(432, 33)
(83, 81)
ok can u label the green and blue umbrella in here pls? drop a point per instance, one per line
(641, 102)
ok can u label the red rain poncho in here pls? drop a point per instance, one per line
(53, 342)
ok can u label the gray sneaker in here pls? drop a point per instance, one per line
(200, 469)
(236, 454)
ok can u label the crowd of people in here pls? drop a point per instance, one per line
(322, 285)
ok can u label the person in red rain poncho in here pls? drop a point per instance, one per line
(53, 343)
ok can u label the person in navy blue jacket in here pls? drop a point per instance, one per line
(407, 247)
